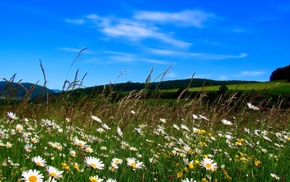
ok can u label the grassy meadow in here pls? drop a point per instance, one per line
(133, 139)
(276, 87)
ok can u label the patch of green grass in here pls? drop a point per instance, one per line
(269, 86)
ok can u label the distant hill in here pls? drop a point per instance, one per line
(170, 84)
(20, 90)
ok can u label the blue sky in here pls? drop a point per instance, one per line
(221, 40)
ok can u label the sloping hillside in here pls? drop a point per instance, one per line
(19, 90)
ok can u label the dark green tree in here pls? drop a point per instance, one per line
(282, 73)
(223, 89)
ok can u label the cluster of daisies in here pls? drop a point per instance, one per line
(50, 151)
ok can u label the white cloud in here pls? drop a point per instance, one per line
(131, 29)
(251, 73)
(194, 18)
(209, 56)
(164, 52)
(203, 56)
(115, 56)
(76, 21)
(171, 75)
(136, 31)
(72, 49)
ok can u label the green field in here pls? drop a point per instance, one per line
(274, 86)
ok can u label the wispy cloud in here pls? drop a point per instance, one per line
(75, 21)
(73, 49)
(144, 25)
(242, 75)
(209, 56)
(251, 73)
(202, 56)
(194, 18)
(136, 31)
(124, 57)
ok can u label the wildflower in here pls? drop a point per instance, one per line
(60, 130)
(53, 172)
(34, 140)
(267, 138)
(275, 176)
(251, 106)
(134, 163)
(100, 130)
(88, 149)
(64, 166)
(12, 116)
(111, 180)
(103, 148)
(28, 147)
(134, 149)
(95, 179)
(72, 153)
(188, 180)
(94, 163)
(76, 166)
(226, 122)
(79, 143)
(19, 127)
(119, 132)
(195, 116)
(209, 164)
(32, 176)
(203, 117)
(113, 167)
(176, 127)
(39, 161)
(162, 120)
(95, 118)
(257, 163)
(179, 175)
(8, 145)
(106, 126)
(117, 161)
(184, 127)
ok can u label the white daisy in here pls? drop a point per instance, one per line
(251, 106)
(117, 161)
(119, 132)
(134, 163)
(39, 161)
(12, 116)
(209, 164)
(95, 179)
(95, 118)
(94, 163)
(32, 176)
(227, 122)
(53, 172)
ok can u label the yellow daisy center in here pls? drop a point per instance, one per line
(133, 165)
(208, 165)
(38, 163)
(93, 165)
(92, 179)
(80, 144)
(53, 174)
(32, 178)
